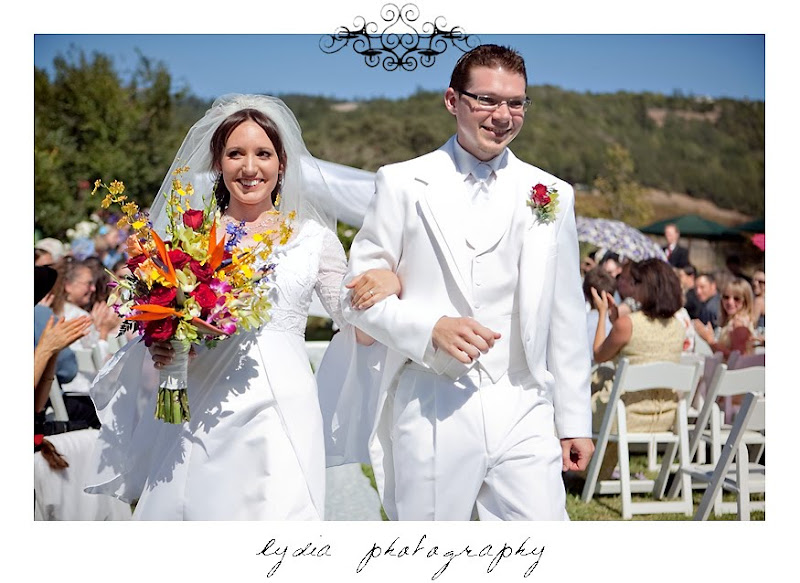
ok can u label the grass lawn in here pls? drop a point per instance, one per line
(610, 507)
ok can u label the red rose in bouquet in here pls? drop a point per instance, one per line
(203, 272)
(162, 296)
(160, 330)
(178, 258)
(133, 262)
(193, 219)
(205, 298)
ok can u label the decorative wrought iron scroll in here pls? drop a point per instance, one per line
(399, 46)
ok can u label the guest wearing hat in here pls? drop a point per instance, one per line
(48, 251)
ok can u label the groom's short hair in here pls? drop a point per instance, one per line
(486, 56)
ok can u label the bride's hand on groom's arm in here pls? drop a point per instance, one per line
(372, 286)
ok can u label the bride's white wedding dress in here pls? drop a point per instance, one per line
(253, 449)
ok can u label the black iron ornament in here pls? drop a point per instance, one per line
(399, 46)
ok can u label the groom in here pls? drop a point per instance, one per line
(484, 398)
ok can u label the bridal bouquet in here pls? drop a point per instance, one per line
(191, 287)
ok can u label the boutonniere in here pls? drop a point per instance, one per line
(544, 202)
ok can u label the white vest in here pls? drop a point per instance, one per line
(493, 280)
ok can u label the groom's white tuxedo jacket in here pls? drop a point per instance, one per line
(418, 225)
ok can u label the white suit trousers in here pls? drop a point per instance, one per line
(471, 446)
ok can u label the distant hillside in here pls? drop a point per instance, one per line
(707, 149)
(89, 124)
(672, 204)
(711, 150)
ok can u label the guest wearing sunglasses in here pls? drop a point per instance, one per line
(736, 324)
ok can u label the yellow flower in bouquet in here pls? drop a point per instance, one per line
(194, 286)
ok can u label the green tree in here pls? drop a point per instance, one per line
(620, 189)
(88, 124)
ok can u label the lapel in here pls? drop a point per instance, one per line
(537, 259)
(441, 204)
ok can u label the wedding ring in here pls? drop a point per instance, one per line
(371, 293)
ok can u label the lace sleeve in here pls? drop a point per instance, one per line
(332, 268)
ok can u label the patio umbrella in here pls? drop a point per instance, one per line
(619, 237)
(694, 226)
(754, 226)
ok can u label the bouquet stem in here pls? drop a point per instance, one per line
(172, 403)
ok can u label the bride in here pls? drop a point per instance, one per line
(254, 448)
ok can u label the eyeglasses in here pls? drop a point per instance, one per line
(734, 298)
(84, 282)
(489, 103)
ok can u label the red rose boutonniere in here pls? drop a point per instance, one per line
(544, 202)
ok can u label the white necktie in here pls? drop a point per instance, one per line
(482, 174)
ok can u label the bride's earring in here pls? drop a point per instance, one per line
(278, 189)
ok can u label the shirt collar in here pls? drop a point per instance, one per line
(465, 161)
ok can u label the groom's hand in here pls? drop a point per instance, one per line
(576, 453)
(462, 338)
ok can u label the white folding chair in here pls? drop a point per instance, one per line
(710, 429)
(702, 347)
(86, 360)
(57, 402)
(114, 343)
(697, 398)
(630, 378)
(734, 471)
(737, 360)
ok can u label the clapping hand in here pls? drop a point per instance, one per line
(59, 333)
(105, 320)
(47, 300)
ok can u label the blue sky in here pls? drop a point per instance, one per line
(717, 65)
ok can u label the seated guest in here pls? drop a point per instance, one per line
(588, 262)
(49, 344)
(72, 291)
(612, 263)
(66, 367)
(706, 290)
(736, 332)
(48, 251)
(625, 291)
(599, 280)
(650, 334)
(687, 276)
